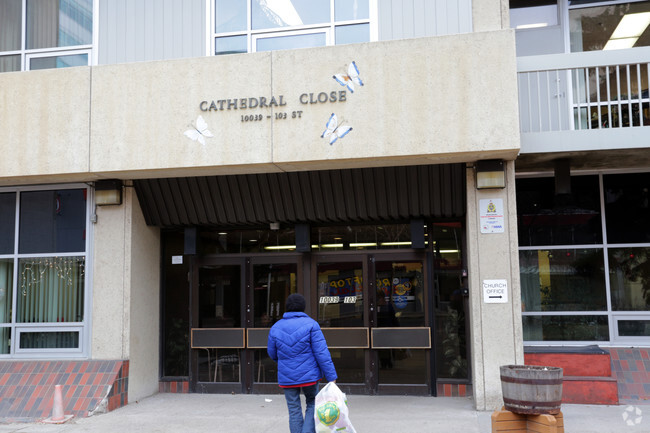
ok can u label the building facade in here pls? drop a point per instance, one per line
(204, 159)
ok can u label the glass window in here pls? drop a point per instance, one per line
(627, 207)
(345, 10)
(66, 61)
(567, 218)
(230, 45)
(309, 40)
(615, 26)
(49, 340)
(340, 294)
(59, 23)
(566, 328)
(524, 16)
(9, 63)
(562, 280)
(352, 34)
(8, 218)
(230, 15)
(385, 236)
(11, 25)
(633, 328)
(220, 296)
(350, 365)
(289, 13)
(6, 292)
(400, 294)
(5, 340)
(53, 221)
(629, 278)
(273, 283)
(50, 289)
(402, 366)
(247, 241)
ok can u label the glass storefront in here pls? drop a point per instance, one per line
(583, 255)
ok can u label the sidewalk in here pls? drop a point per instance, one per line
(167, 413)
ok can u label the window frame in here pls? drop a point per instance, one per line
(27, 54)
(83, 328)
(613, 316)
(253, 35)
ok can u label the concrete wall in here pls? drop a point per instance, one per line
(143, 271)
(496, 329)
(490, 15)
(422, 102)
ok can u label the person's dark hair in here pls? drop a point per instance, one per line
(295, 302)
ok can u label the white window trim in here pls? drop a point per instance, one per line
(253, 35)
(85, 327)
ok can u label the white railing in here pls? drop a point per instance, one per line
(590, 90)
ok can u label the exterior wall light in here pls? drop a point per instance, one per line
(490, 173)
(108, 192)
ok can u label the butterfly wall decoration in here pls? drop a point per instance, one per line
(335, 131)
(350, 79)
(199, 131)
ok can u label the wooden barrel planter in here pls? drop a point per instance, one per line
(531, 389)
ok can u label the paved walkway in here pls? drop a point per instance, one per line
(167, 413)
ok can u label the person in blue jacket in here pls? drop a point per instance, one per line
(297, 344)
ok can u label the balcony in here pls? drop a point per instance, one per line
(585, 101)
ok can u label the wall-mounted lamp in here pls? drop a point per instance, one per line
(108, 192)
(490, 173)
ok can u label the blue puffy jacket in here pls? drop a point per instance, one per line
(297, 344)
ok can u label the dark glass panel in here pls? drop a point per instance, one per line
(350, 365)
(219, 365)
(627, 207)
(49, 340)
(220, 296)
(371, 237)
(565, 328)
(7, 222)
(402, 366)
(5, 340)
(6, 289)
(546, 218)
(634, 328)
(247, 241)
(400, 294)
(272, 284)
(53, 221)
(562, 280)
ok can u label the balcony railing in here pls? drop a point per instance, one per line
(579, 91)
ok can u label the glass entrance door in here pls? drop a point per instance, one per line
(373, 311)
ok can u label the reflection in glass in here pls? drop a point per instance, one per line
(627, 207)
(9, 63)
(450, 316)
(565, 328)
(230, 15)
(629, 279)
(402, 366)
(230, 45)
(352, 34)
(351, 10)
(309, 40)
(68, 61)
(597, 28)
(350, 365)
(7, 222)
(59, 23)
(562, 280)
(634, 328)
(50, 289)
(272, 285)
(340, 294)
(49, 340)
(400, 294)
(288, 13)
(53, 221)
(547, 218)
(219, 365)
(6, 289)
(11, 25)
(220, 296)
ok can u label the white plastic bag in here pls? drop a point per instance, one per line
(331, 412)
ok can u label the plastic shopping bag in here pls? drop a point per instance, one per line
(331, 414)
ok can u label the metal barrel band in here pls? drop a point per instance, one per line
(525, 381)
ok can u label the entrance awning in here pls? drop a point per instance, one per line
(327, 196)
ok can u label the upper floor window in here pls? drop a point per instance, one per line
(242, 26)
(610, 26)
(527, 14)
(43, 34)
